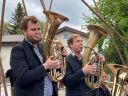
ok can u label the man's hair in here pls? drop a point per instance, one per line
(70, 39)
(26, 19)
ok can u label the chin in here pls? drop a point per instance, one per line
(35, 41)
(79, 50)
(38, 39)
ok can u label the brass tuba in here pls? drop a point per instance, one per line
(51, 46)
(96, 33)
(120, 73)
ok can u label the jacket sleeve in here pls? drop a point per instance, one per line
(72, 78)
(24, 76)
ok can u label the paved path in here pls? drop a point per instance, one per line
(61, 91)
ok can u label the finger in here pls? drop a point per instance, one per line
(57, 66)
(51, 57)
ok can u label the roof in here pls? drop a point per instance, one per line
(72, 30)
(19, 38)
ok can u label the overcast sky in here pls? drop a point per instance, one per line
(72, 9)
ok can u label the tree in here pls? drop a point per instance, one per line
(17, 16)
(116, 13)
(42, 25)
(5, 28)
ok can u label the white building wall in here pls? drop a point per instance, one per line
(5, 57)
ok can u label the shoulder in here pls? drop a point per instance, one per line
(69, 58)
(20, 47)
(17, 46)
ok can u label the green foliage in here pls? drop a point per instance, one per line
(5, 28)
(17, 16)
(116, 14)
(42, 25)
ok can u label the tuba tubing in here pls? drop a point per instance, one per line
(49, 46)
(95, 34)
(53, 22)
(120, 73)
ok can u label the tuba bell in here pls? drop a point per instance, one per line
(51, 46)
(93, 81)
(120, 73)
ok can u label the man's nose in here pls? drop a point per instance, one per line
(81, 43)
(38, 31)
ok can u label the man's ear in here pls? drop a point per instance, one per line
(24, 33)
(70, 45)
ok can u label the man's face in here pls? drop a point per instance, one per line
(77, 45)
(104, 77)
(33, 32)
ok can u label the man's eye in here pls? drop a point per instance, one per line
(33, 29)
(38, 29)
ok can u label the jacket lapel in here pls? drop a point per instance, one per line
(29, 50)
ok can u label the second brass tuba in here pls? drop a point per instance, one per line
(96, 33)
(120, 73)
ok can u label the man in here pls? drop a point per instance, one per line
(104, 89)
(27, 63)
(75, 73)
(103, 79)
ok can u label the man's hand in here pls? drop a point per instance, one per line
(51, 63)
(64, 51)
(89, 69)
(102, 58)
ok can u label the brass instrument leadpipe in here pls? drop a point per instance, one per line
(53, 41)
(119, 87)
(112, 83)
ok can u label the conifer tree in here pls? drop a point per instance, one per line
(17, 16)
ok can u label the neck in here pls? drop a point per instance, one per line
(35, 44)
(32, 43)
(77, 53)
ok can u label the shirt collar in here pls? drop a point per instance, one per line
(78, 57)
(31, 43)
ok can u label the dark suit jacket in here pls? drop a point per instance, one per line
(74, 79)
(103, 91)
(28, 72)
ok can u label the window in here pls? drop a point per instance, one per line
(66, 36)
